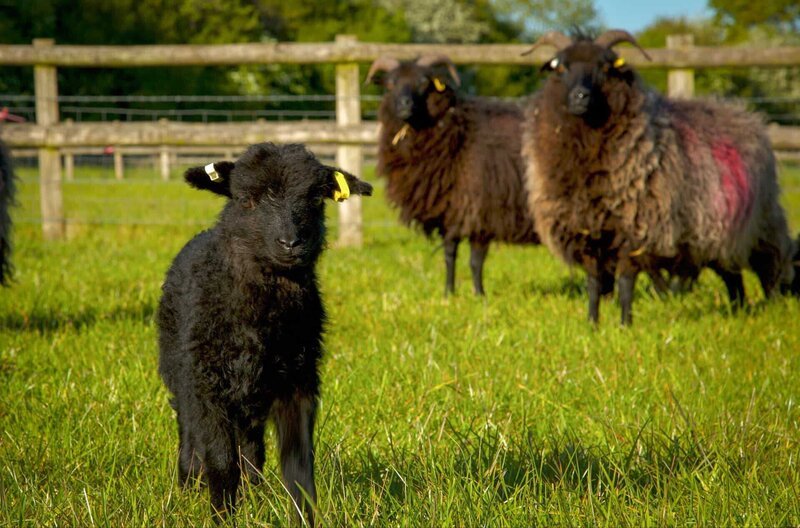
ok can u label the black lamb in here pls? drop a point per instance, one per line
(241, 321)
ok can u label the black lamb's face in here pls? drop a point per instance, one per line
(421, 95)
(583, 71)
(276, 211)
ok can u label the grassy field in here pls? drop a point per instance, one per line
(510, 411)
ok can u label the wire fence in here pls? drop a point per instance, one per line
(230, 108)
(190, 108)
(146, 203)
(99, 199)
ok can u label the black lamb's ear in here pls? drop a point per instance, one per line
(215, 177)
(341, 185)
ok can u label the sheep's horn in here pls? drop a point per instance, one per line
(553, 38)
(613, 37)
(386, 64)
(427, 61)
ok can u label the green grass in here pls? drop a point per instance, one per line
(460, 412)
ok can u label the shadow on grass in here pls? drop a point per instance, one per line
(485, 460)
(45, 321)
(572, 287)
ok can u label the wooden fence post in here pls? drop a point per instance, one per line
(52, 202)
(69, 159)
(349, 157)
(164, 163)
(680, 83)
(69, 166)
(164, 156)
(119, 165)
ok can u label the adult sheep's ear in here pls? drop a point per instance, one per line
(215, 177)
(433, 61)
(340, 185)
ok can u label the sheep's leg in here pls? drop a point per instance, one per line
(251, 450)
(294, 421)
(220, 463)
(594, 286)
(685, 280)
(733, 282)
(478, 252)
(659, 283)
(627, 282)
(607, 281)
(189, 464)
(766, 264)
(450, 251)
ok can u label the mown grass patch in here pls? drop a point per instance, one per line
(508, 411)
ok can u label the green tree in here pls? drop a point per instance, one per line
(129, 22)
(773, 91)
(781, 15)
(539, 16)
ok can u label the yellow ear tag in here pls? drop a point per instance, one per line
(343, 192)
(620, 62)
(440, 86)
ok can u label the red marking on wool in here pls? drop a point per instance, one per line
(736, 185)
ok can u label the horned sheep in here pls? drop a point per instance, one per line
(452, 164)
(622, 179)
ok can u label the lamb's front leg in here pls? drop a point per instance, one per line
(220, 463)
(189, 461)
(294, 422)
(251, 450)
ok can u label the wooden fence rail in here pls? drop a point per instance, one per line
(49, 135)
(179, 134)
(351, 51)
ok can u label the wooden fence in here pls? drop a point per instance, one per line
(52, 137)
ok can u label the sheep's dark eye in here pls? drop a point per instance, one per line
(317, 200)
(247, 202)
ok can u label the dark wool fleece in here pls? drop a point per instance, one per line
(464, 176)
(661, 178)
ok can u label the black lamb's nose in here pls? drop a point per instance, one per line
(289, 244)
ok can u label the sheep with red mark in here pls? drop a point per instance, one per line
(452, 164)
(623, 180)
